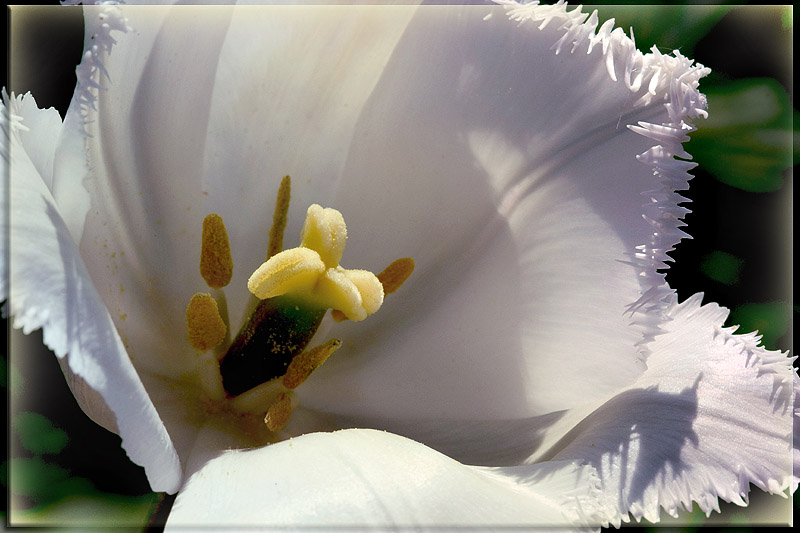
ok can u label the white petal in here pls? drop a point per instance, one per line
(141, 241)
(213, 127)
(509, 174)
(51, 289)
(712, 414)
(70, 161)
(175, 135)
(365, 478)
(796, 435)
(42, 128)
(288, 94)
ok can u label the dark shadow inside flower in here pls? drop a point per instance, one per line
(475, 442)
(102, 353)
(77, 315)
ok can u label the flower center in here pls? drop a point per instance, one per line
(258, 371)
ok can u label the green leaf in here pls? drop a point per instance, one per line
(34, 477)
(722, 267)
(43, 482)
(669, 27)
(770, 319)
(38, 435)
(16, 382)
(746, 142)
(787, 18)
(81, 511)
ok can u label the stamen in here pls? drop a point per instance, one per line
(254, 400)
(222, 305)
(305, 363)
(279, 412)
(205, 325)
(279, 217)
(216, 265)
(396, 274)
(210, 378)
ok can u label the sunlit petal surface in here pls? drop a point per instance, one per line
(51, 289)
(371, 478)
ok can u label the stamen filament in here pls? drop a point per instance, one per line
(210, 378)
(216, 264)
(258, 398)
(305, 363)
(222, 304)
(279, 217)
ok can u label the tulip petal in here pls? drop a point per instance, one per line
(41, 129)
(51, 289)
(507, 171)
(712, 414)
(286, 101)
(142, 235)
(161, 160)
(376, 479)
(261, 105)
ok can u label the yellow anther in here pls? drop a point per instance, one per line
(325, 232)
(279, 412)
(216, 265)
(396, 274)
(305, 363)
(279, 217)
(206, 327)
(294, 270)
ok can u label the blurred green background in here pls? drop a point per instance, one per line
(64, 470)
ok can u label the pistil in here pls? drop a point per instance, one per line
(292, 289)
(278, 330)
